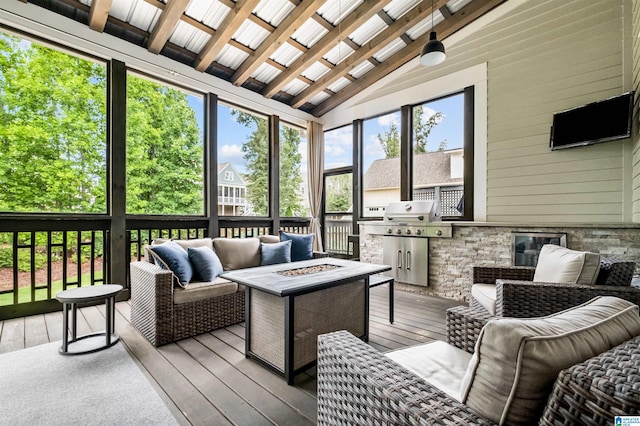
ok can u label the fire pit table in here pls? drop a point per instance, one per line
(289, 304)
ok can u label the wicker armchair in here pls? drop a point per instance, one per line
(518, 296)
(359, 385)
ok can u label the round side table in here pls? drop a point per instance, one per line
(70, 299)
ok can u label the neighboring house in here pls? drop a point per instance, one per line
(438, 175)
(232, 191)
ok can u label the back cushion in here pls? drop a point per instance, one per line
(517, 360)
(561, 265)
(196, 242)
(237, 253)
(269, 239)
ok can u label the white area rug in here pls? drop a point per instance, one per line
(38, 386)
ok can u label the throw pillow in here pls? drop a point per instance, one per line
(272, 253)
(174, 258)
(301, 245)
(517, 360)
(561, 265)
(205, 263)
(237, 253)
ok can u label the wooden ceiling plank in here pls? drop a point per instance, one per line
(166, 24)
(228, 27)
(98, 14)
(356, 18)
(464, 16)
(395, 30)
(288, 26)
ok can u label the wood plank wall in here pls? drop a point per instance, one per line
(636, 86)
(552, 56)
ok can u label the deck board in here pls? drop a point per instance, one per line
(208, 380)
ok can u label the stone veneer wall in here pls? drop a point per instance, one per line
(450, 259)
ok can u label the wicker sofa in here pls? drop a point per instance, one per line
(359, 385)
(165, 313)
(517, 295)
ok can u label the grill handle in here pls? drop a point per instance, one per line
(399, 259)
(407, 262)
(419, 217)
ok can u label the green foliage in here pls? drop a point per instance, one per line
(390, 140)
(164, 151)
(339, 191)
(290, 179)
(53, 137)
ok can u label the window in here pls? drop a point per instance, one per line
(165, 149)
(52, 131)
(293, 172)
(228, 176)
(243, 144)
(338, 147)
(438, 153)
(380, 163)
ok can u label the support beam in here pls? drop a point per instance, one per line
(460, 19)
(224, 32)
(326, 43)
(288, 26)
(98, 14)
(394, 31)
(167, 23)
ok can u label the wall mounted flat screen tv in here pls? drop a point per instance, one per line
(601, 121)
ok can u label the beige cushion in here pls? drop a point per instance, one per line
(269, 239)
(485, 295)
(237, 253)
(197, 242)
(195, 291)
(517, 360)
(438, 363)
(561, 265)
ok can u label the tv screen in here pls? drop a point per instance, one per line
(602, 121)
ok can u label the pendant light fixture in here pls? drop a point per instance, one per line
(432, 52)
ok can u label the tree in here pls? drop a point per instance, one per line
(255, 151)
(164, 151)
(390, 140)
(339, 190)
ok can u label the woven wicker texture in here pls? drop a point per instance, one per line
(267, 337)
(614, 272)
(161, 321)
(464, 325)
(593, 392)
(357, 385)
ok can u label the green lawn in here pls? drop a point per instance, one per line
(24, 293)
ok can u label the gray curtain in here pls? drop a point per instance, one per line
(315, 155)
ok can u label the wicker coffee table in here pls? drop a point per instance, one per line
(288, 305)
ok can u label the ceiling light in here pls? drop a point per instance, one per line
(432, 52)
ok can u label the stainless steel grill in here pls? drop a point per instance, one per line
(406, 229)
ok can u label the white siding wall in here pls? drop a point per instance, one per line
(542, 56)
(636, 123)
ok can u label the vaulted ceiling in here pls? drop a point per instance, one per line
(309, 54)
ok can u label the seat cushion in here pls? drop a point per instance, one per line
(561, 265)
(237, 253)
(517, 360)
(206, 265)
(439, 363)
(485, 295)
(204, 290)
(301, 245)
(273, 253)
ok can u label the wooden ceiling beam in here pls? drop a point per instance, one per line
(288, 26)
(224, 32)
(320, 20)
(326, 43)
(98, 14)
(166, 24)
(447, 27)
(399, 26)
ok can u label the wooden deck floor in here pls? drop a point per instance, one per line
(206, 380)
